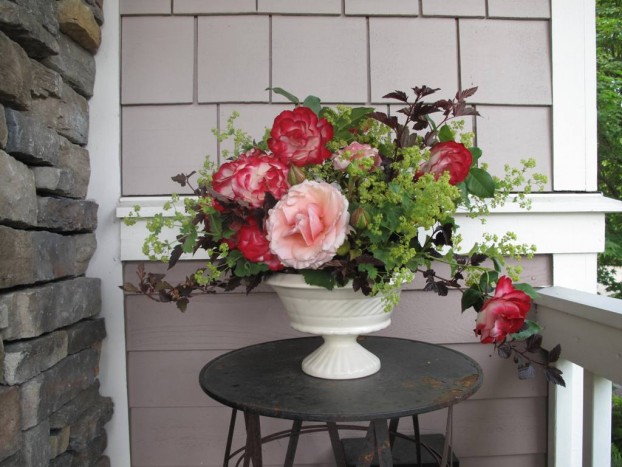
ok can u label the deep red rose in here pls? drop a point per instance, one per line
(451, 157)
(502, 314)
(254, 246)
(298, 137)
(250, 176)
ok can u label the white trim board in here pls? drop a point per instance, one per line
(105, 188)
(573, 45)
(556, 223)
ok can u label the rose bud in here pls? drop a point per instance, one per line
(295, 175)
(360, 218)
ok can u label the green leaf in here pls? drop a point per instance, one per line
(476, 153)
(464, 193)
(480, 183)
(319, 278)
(486, 280)
(445, 134)
(370, 269)
(497, 263)
(472, 298)
(530, 328)
(359, 113)
(527, 288)
(314, 104)
(290, 97)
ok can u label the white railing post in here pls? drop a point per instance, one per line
(597, 421)
(566, 419)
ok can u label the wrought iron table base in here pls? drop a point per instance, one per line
(379, 441)
(266, 380)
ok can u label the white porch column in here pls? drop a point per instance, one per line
(105, 188)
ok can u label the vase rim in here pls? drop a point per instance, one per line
(295, 280)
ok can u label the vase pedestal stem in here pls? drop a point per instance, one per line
(341, 357)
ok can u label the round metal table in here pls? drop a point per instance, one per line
(266, 380)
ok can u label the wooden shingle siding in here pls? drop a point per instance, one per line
(188, 64)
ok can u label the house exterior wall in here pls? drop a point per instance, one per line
(187, 64)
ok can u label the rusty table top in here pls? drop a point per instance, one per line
(415, 377)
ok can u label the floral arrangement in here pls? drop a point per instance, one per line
(351, 195)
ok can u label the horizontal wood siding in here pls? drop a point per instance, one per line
(174, 423)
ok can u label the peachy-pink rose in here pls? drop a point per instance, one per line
(307, 226)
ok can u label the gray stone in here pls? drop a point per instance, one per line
(66, 215)
(85, 334)
(18, 196)
(4, 131)
(90, 424)
(77, 20)
(30, 140)
(4, 317)
(69, 116)
(22, 26)
(54, 181)
(42, 309)
(75, 159)
(15, 75)
(103, 461)
(10, 421)
(1, 359)
(25, 359)
(71, 411)
(76, 65)
(36, 445)
(59, 441)
(84, 247)
(98, 10)
(64, 460)
(15, 460)
(92, 454)
(28, 257)
(51, 389)
(43, 12)
(45, 81)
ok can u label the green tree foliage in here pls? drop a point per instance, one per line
(616, 422)
(609, 60)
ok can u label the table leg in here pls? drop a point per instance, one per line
(253, 440)
(393, 425)
(417, 438)
(230, 438)
(376, 442)
(293, 443)
(447, 454)
(335, 441)
(383, 445)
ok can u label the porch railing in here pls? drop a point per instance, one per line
(589, 329)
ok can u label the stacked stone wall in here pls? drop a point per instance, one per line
(51, 409)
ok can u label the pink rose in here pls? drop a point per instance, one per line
(250, 176)
(254, 246)
(450, 157)
(355, 152)
(502, 314)
(298, 137)
(308, 225)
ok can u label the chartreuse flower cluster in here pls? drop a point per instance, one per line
(352, 196)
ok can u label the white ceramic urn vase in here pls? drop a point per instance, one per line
(339, 316)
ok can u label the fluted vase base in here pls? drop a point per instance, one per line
(341, 357)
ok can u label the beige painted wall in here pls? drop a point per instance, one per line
(186, 64)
